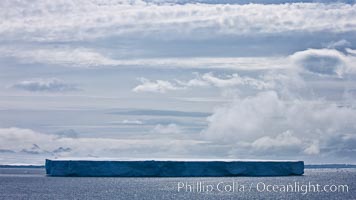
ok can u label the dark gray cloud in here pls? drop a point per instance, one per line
(61, 150)
(45, 85)
(70, 133)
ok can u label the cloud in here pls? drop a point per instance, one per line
(167, 129)
(325, 61)
(338, 44)
(318, 61)
(45, 85)
(343, 143)
(268, 121)
(35, 149)
(62, 150)
(283, 141)
(68, 21)
(205, 80)
(132, 122)
(232, 80)
(351, 52)
(93, 58)
(272, 119)
(18, 139)
(318, 64)
(6, 151)
(70, 133)
(313, 149)
(159, 86)
(31, 142)
(74, 57)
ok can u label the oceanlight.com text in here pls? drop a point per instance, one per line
(295, 187)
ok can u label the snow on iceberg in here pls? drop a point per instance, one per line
(172, 168)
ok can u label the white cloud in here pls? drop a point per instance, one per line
(167, 129)
(45, 85)
(313, 149)
(268, 120)
(325, 61)
(79, 20)
(351, 52)
(229, 81)
(317, 61)
(76, 57)
(338, 44)
(18, 139)
(85, 57)
(155, 86)
(135, 122)
(207, 79)
(285, 140)
(32, 142)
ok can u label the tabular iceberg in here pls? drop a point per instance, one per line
(172, 168)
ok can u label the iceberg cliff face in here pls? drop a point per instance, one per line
(152, 168)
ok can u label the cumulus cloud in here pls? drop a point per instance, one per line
(67, 21)
(283, 141)
(268, 121)
(155, 86)
(276, 118)
(325, 61)
(45, 85)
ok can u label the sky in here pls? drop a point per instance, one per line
(249, 79)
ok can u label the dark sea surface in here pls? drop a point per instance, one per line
(32, 183)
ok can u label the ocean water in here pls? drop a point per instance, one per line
(32, 183)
